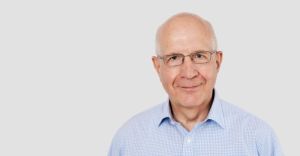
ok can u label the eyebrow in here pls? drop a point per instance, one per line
(174, 53)
(178, 53)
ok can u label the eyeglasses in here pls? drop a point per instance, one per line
(198, 57)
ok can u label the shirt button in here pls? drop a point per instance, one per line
(188, 140)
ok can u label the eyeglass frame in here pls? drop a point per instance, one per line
(189, 55)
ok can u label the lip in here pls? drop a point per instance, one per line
(189, 88)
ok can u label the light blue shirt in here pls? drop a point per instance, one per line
(227, 131)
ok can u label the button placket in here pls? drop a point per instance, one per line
(188, 145)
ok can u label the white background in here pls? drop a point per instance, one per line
(72, 72)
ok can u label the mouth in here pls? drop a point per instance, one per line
(190, 88)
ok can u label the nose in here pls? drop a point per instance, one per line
(188, 69)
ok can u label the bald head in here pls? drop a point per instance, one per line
(182, 32)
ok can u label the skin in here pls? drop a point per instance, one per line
(189, 86)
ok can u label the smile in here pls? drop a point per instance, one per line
(190, 88)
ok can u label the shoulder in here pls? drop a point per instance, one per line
(145, 118)
(138, 124)
(235, 115)
(253, 128)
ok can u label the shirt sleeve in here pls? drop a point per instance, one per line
(267, 143)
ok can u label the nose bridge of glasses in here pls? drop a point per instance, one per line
(188, 68)
(188, 61)
(190, 56)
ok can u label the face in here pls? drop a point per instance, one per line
(188, 85)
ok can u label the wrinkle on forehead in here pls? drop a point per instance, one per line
(179, 25)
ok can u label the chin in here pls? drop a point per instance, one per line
(190, 102)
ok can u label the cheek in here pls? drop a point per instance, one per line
(210, 75)
(207, 74)
(167, 78)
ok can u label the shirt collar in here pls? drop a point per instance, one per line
(165, 113)
(215, 113)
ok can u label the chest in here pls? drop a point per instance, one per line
(205, 142)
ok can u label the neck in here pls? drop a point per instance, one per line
(189, 117)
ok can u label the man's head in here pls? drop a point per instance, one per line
(191, 83)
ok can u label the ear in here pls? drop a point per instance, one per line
(219, 58)
(156, 63)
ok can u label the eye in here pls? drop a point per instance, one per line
(173, 58)
(199, 55)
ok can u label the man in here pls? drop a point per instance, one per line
(194, 121)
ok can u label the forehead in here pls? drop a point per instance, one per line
(185, 37)
(185, 42)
